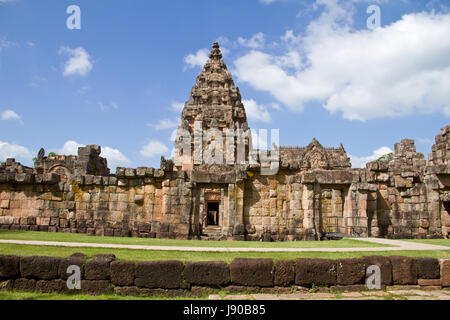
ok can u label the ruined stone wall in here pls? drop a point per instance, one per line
(141, 202)
(405, 202)
(400, 196)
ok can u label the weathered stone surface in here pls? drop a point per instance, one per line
(404, 270)
(9, 267)
(207, 273)
(350, 271)
(349, 288)
(252, 272)
(122, 273)
(428, 268)
(45, 268)
(98, 268)
(23, 284)
(77, 259)
(96, 287)
(429, 282)
(385, 267)
(445, 273)
(315, 271)
(159, 274)
(50, 286)
(126, 291)
(284, 273)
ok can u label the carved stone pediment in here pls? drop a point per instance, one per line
(315, 156)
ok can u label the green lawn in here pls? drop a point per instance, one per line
(437, 242)
(147, 255)
(17, 295)
(83, 238)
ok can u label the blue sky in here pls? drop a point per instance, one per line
(308, 68)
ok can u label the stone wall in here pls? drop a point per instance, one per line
(142, 202)
(102, 274)
(402, 196)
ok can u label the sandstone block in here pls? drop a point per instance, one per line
(76, 259)
(159, 274)
(96, 287)
(445, 273)
(207, 273)
(23, 284)
(45, 268)
(122, 273)
(429, 282)
(404, 270)
(428, 268)
(9, 267)
(284, 273)
(350, 271)
(49, 286)
(252, 272)
(126, 291)
(385, 267)
(98, 268)
(315, 271)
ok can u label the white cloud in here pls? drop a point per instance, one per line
(165, 124)
(83, 90)
(255, 112)
(10, 115)
(255, 42)
(153, 149)
(395, 70)
(12, 150)
(360, 162)
(106, 107)
(5, 44)
(114, 156)
(198, 59)
(37, 81)
(79, 62)
(69, 148)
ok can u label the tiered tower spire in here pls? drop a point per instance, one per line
(215, 99)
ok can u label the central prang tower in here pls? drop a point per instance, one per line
(214, 103)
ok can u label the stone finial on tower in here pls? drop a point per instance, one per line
(216, 54)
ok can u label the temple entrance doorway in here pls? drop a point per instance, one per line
(331, 211)
(212, 213)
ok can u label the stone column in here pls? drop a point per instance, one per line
(239, 216)
(308, 210)
(201, 209)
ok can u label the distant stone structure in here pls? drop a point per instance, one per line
(313, 193)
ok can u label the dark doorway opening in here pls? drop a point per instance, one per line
(212, 214)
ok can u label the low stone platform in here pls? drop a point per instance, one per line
(102, 274)
(393, 293)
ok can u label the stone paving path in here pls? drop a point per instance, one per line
(390, 294)
(399, 246)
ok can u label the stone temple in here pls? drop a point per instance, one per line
(218, 186)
